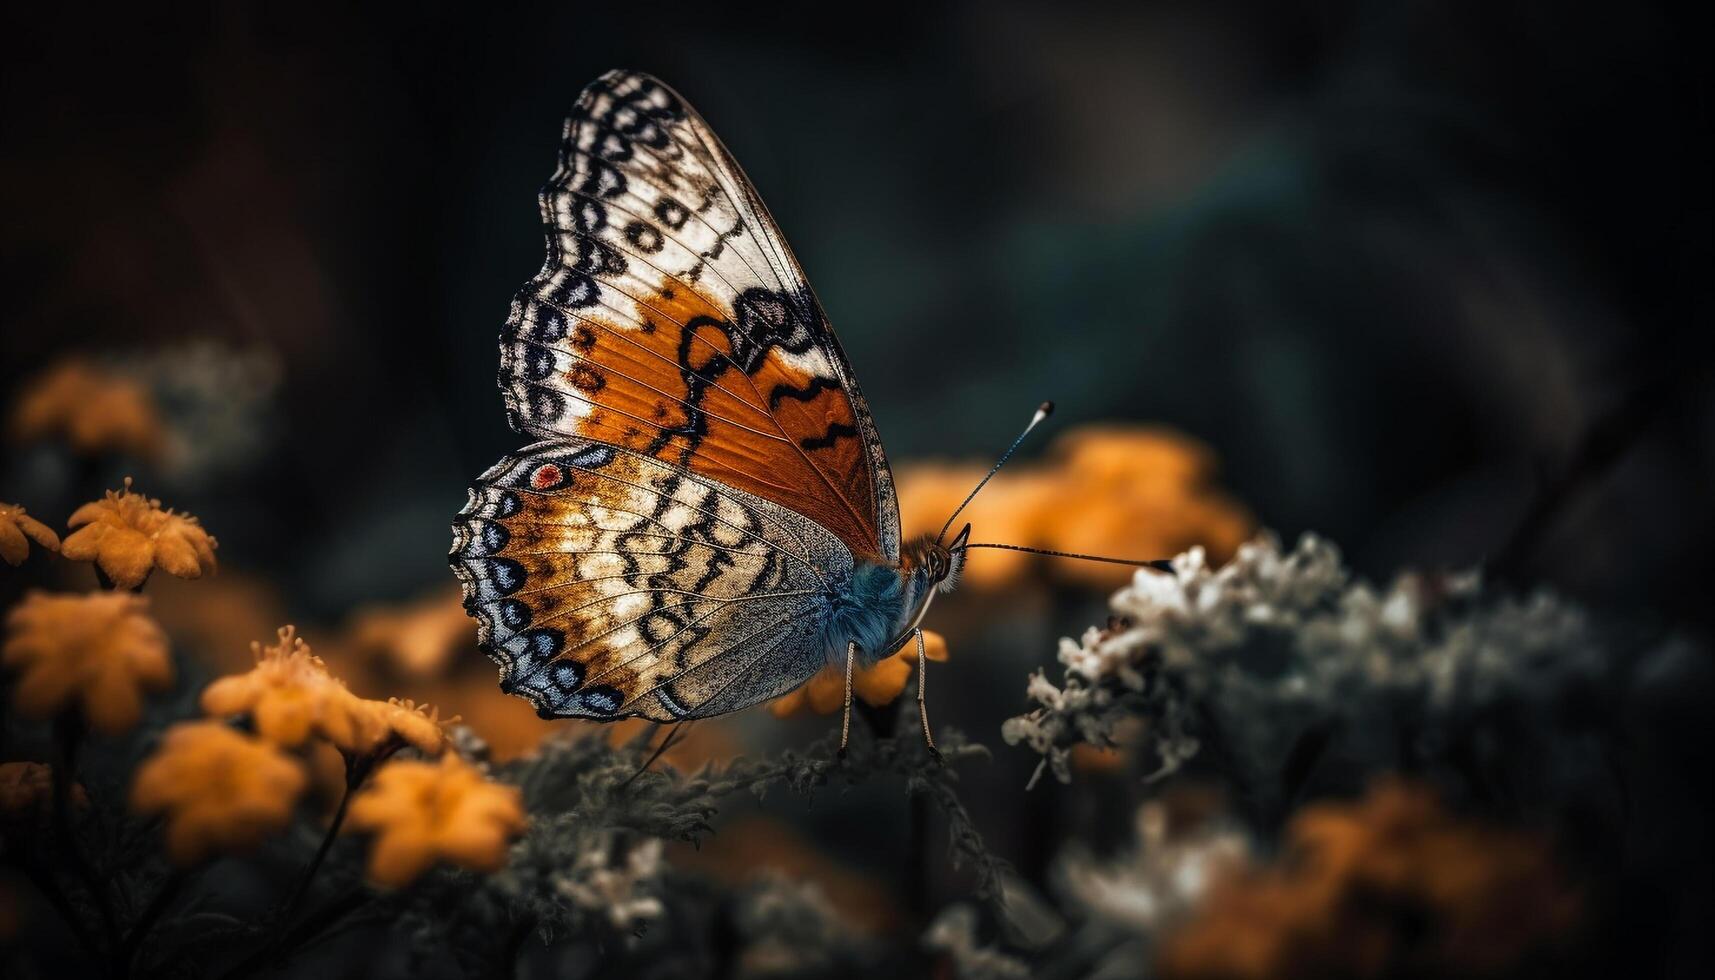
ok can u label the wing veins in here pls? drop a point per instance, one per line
(751, 200)
(658, 523)
(712, 657)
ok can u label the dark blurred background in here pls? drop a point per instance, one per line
(1430, 278)
(1393, 261)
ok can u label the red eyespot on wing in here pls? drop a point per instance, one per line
(547, 476)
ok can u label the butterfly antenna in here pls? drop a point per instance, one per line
(1042, 411)
(1160, 564)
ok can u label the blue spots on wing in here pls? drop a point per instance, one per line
(543, 643)
(545, 406)
(538, 363)
(507, 575)
(592, 457)
(568, 675)
(601, 700)
(550, 324)
(513, 614)
(480, 538)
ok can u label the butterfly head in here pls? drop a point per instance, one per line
(937, 564)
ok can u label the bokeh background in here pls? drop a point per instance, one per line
(1431, 279)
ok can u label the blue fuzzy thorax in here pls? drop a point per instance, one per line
(870, 607)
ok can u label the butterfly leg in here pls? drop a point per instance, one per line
(846, 717)
(660, 750)
(922, 705)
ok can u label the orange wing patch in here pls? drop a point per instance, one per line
(667, 382)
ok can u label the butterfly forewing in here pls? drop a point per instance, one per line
(671, 318)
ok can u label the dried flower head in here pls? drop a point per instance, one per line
(95, 410)
(1392, 885)
(609, 880)
(27, 790)
(954, 935)
(290, 695)
(96, 653)
(425, 812)
(1276, 643)
(17, 529)
(1162, 879)
(789, 927)
(221, 790)
(128, 536)
(876, 685)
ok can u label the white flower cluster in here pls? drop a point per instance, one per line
(1280, 640)
(954, 935)
(788, 927)
(614, 881)
(1160, 880)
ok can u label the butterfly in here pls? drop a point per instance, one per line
(705, 517)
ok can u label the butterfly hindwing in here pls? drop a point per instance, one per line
(609, 584)
(670, 318)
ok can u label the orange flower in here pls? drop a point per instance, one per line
(1390, 885)
(419, 639)
(95, 652)
(1010, 510)
(27, 788)
(15, 526)
(222, 790)
(424, 812)
(128, 536)
(1126, 492)
(290, 695)
(418, 726)
(876, 685)
(92, 408)
(1138, 493)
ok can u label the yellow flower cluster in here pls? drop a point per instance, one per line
(1482, 901)
(417, 640)
(290, 696)
(425, 812)
(15, 527)
(1119, 491)
(220, 789)
(93, 409)
(128, 536)
(94, 654)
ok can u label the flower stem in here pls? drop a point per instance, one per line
(68, 736)
(507, 966)
(139, 931)
(356, 771)
(56, 896)
(313, 925)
